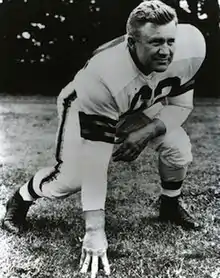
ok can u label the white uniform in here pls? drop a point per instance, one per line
(89, 107)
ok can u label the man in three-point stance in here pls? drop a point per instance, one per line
(134, 90)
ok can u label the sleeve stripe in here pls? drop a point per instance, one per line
(100, 118)
(90, 125)
(97, 128)
(107, 134)
(187, 86)
(103, 137)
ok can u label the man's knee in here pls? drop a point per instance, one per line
(59, 190)
(175, 150)
(54, 183)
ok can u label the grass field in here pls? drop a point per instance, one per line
(139, 246)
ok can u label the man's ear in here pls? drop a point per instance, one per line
(131, 42)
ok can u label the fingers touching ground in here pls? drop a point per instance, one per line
(83, 256)
(87, 259)
(105, 264)
(94, 267)
(85, 263)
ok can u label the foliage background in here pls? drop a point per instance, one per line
(43, 43)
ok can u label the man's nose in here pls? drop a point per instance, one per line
(164, 50)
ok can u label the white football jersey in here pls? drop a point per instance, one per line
(111, 80)
(111, 84)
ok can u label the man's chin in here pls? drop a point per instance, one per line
(161, 68)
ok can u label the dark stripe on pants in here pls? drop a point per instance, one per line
(171, 185)
(52, 175)
(67, 104)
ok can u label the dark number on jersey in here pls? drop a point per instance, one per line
(145, 92)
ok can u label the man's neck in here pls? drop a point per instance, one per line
(138, 63)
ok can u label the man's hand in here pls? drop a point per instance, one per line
(94, 244)
(136, 141)
(132, 146)
(131, 123)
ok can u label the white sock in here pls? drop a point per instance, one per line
(23, 191)
(171, 193)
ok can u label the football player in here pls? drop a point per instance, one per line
(135, 90)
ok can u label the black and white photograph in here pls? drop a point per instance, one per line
(110, 138)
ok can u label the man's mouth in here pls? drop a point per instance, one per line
(162, 61)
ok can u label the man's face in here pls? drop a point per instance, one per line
(156, 46)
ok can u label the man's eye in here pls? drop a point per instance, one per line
(156, 43)
(171, 42)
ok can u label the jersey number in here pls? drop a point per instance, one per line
(145, 92)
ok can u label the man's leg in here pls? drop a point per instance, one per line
(52, 182)
(174, 157)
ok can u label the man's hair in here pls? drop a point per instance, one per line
(153, 11)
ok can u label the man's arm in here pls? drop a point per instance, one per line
(137, 140)
(95, 160)
(97, 119)
(168, 118)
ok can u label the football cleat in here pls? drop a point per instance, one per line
(16, 211)
(172, 211)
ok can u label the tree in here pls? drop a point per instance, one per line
(44, 43)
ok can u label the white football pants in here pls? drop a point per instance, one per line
(84, 164)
